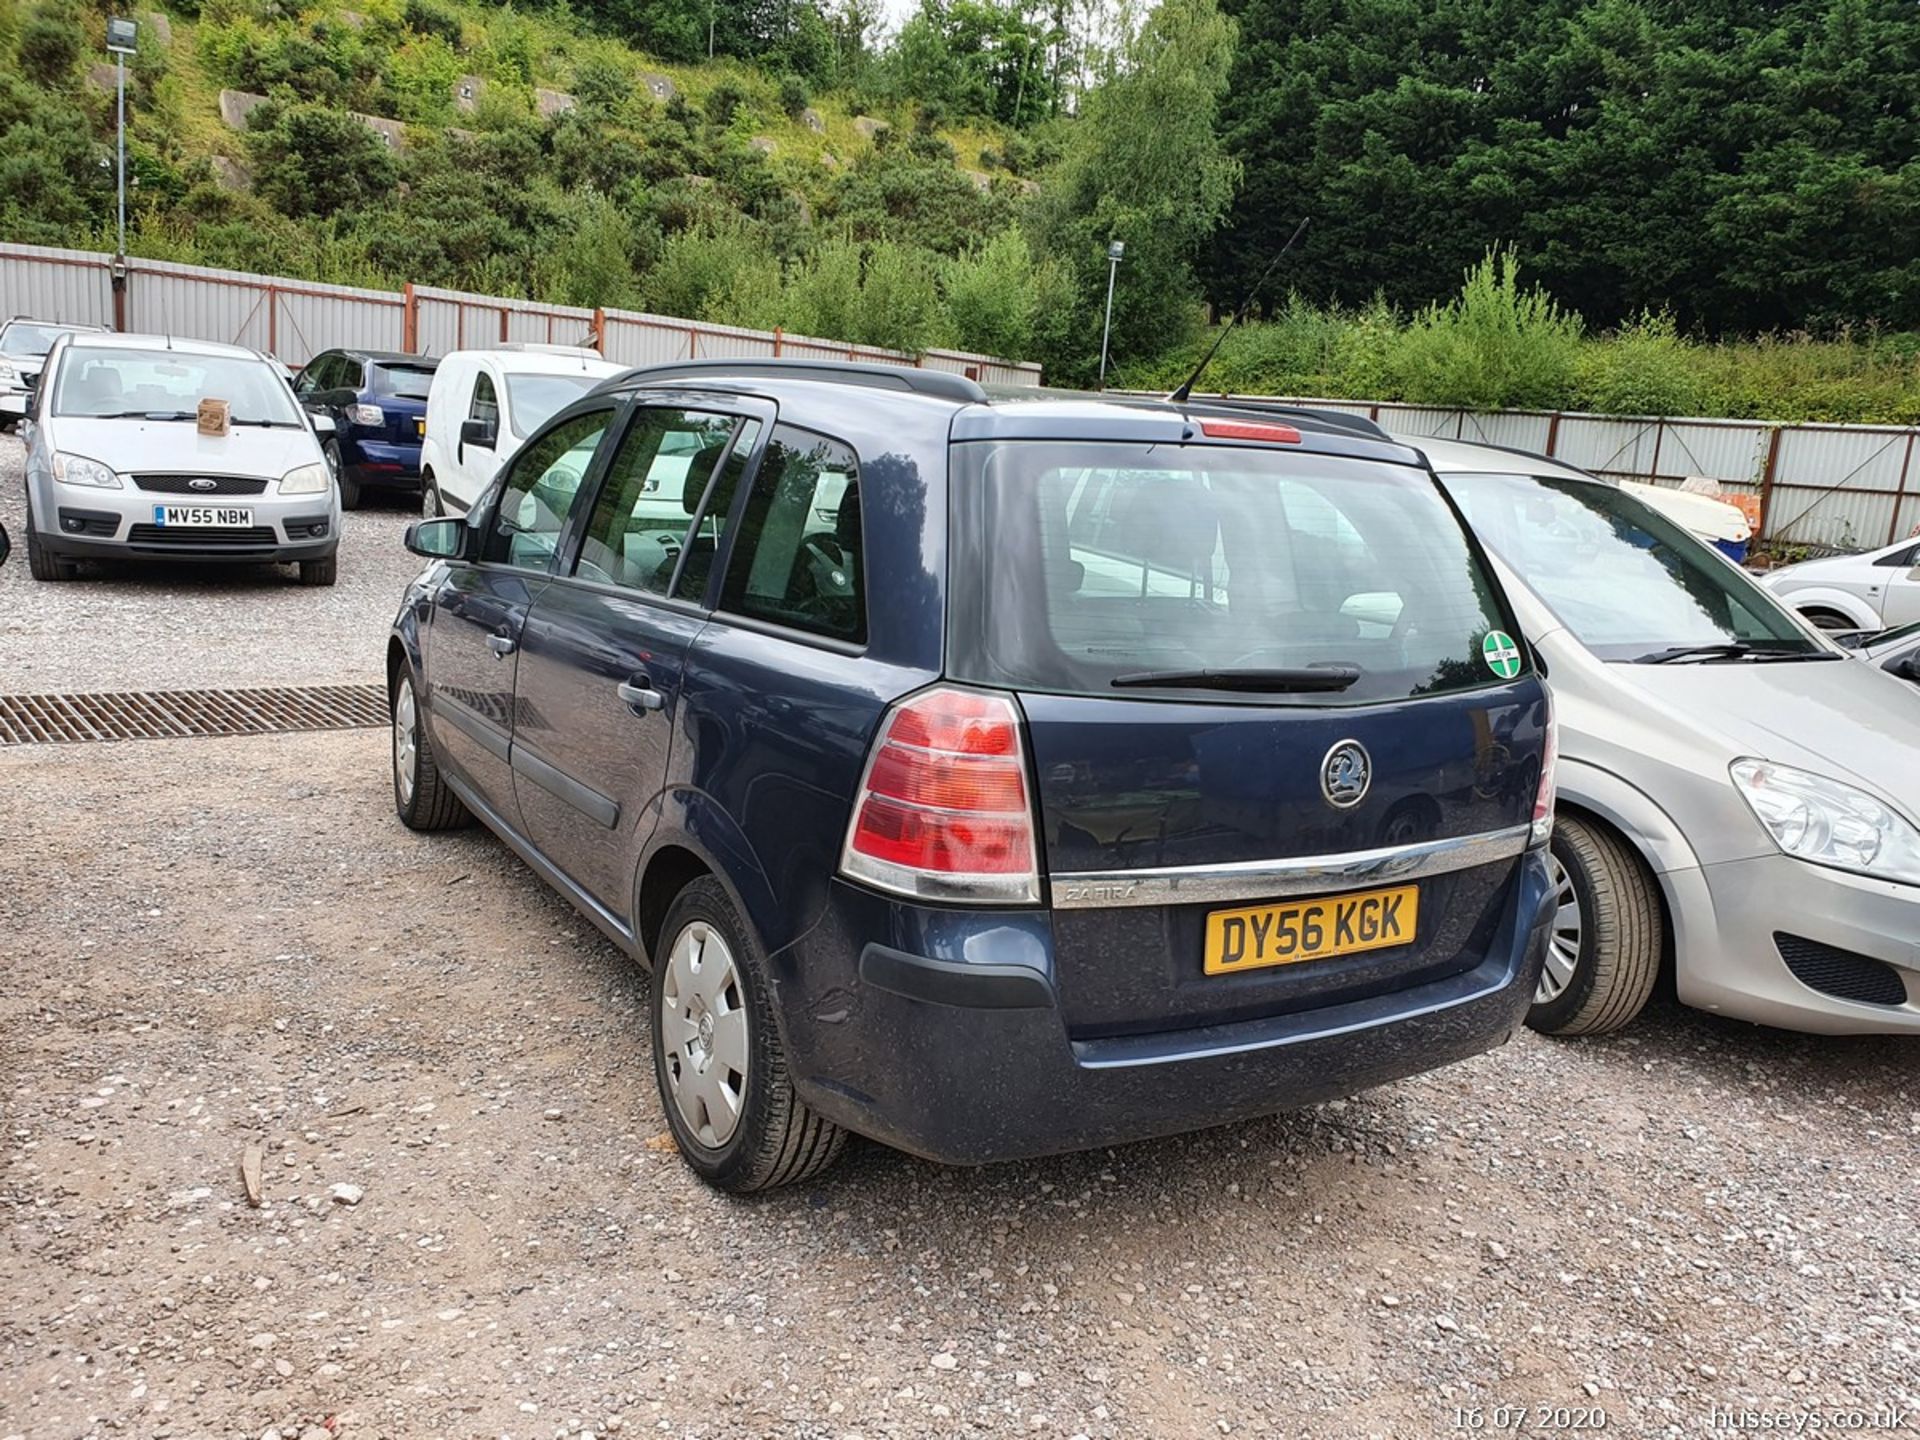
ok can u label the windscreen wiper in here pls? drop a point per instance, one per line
(1307, 680)
(1731, 650)
(144, 415)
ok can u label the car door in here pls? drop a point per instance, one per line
(476, 459)
(480, 607)
(603, 651)
(1900, 602)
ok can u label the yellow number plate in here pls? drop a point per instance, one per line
(1264, 935)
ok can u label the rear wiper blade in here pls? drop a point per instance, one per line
(1306, 680)
(1731, 650)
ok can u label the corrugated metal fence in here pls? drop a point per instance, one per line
(294, 320)
(1841, 487)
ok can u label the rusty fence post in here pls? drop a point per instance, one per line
(410, 321)
(1766, 483)
(1900, 495)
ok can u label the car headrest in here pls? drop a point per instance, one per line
(846, 524)
(699, 471)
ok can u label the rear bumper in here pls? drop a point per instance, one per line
(942, 1039)
(382, 463)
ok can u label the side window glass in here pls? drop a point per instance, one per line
(537, 490)
(353, 375)
(646, 504)
(1901, 559)
(309, 376)
(797, 558)
(485, 406)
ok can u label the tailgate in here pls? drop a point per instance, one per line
(1155, 815)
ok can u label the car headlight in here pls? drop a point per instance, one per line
(1823, 821)
(306, 480)
(366, 415)
(78, 470)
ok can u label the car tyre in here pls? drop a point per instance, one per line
(1828, 620)
(320, 572)
(432, 507)
(717, 1055)
(1609, 933)
(421, 795)
(349, 487)
(42, 563)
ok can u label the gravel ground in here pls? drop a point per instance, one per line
(152, 626)
(219, 943)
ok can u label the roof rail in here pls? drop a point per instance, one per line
(941, 383)
(1334, 419)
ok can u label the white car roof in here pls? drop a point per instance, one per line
(1463, 457)
(108, 340)
(540, 362)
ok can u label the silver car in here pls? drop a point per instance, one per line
(119, 466)
(24, 344)
(1735, 793)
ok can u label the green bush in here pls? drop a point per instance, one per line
(823, 292)
(992, 293)
(1644, 368)
(426, 17)
(1495, 346)
(702, 272)
(793, 96)
(900, 299)
(49, 45)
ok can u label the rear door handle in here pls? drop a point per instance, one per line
(639, 695)
(502, 645)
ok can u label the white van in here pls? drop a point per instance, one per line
(484, 403)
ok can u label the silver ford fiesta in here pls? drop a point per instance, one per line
(141, 447)
(1735, 793)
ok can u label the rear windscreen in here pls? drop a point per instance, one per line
(1074, 564)
(409, 382)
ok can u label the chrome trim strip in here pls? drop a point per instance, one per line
(1272, 879)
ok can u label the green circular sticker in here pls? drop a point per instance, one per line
(1501, 654)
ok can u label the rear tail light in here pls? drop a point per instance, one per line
(1543, 797)
(943, 811)
(366, 415)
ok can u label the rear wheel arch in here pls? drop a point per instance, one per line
(664, 874)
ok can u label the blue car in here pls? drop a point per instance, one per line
(991, 775)
(377, 401)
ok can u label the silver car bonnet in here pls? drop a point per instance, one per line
(1671, 731)
(173, 447)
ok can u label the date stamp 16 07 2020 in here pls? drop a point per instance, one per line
(1719, 1419)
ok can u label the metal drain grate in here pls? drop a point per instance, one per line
(171, 714)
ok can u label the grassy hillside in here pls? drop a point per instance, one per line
(522, 154)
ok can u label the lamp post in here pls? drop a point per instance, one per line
(1115, 250)
(120, 35)
(120, 39)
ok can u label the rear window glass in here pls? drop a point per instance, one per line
(409, 382)
(1076, 564)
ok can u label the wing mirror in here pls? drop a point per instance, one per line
(444, 539)
(323, 425)
(478, 432)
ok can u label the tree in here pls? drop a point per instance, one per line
(1747, 164)
(1143, 165)
(309, 160)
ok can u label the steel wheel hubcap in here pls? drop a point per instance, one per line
(406, 741)
(1563, 953)
(703, 1034)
